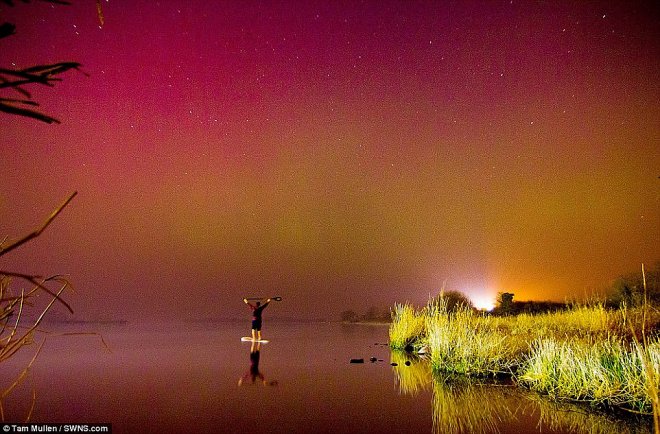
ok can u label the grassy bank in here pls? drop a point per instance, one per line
(463, 404)
(586, 353)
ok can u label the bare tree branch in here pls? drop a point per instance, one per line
(40, 285)
(8, 108)
(39, 230)
(41, 74)
(18, 89)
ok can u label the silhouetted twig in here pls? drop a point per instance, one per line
(38, 231)
(41, 74)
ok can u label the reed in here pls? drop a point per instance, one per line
(649, 359)
(468, 343)
(21, 312)
(14, 334)
(587, 353)
(408, 326)
(648, 355)
(607, 372)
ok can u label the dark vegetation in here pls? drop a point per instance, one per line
(626, 291)
(14, 304)
(22, 310)
(452, 301)
(506, 305)
(373, 314)
(604, 352)
(18, 100)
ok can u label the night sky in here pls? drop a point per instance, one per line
(338, 154)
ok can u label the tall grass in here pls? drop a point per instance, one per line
(468, 343)
(16, 330)
(648, 354)
(408, 326)
(586, 353)
(14, 334)
(21, 312)
(606, 372)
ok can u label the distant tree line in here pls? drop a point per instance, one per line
(627, 290)
(373, 314)
(506, 305)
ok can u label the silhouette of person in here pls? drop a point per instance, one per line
(257, 310)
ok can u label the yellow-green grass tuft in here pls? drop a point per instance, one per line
(408, 326)
(602, 372)
(586, 353)
(466, 342)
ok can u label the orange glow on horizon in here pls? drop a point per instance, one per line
(483, 302)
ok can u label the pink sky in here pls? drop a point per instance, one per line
(338, 154)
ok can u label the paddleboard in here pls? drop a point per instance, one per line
(249, 339)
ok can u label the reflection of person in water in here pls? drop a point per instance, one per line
(257, 310)
(253, 373)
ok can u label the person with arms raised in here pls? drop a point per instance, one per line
(257, 310)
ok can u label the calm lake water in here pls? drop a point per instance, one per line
(200, 378)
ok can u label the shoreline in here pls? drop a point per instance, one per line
(586, 355)
(366, 323)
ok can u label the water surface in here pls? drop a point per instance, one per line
(199, 378)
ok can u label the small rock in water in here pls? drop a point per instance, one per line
(357, 360)
(407, 362)
(373, 359)
(394, 364)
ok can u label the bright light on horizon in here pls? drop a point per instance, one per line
(485, 302)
